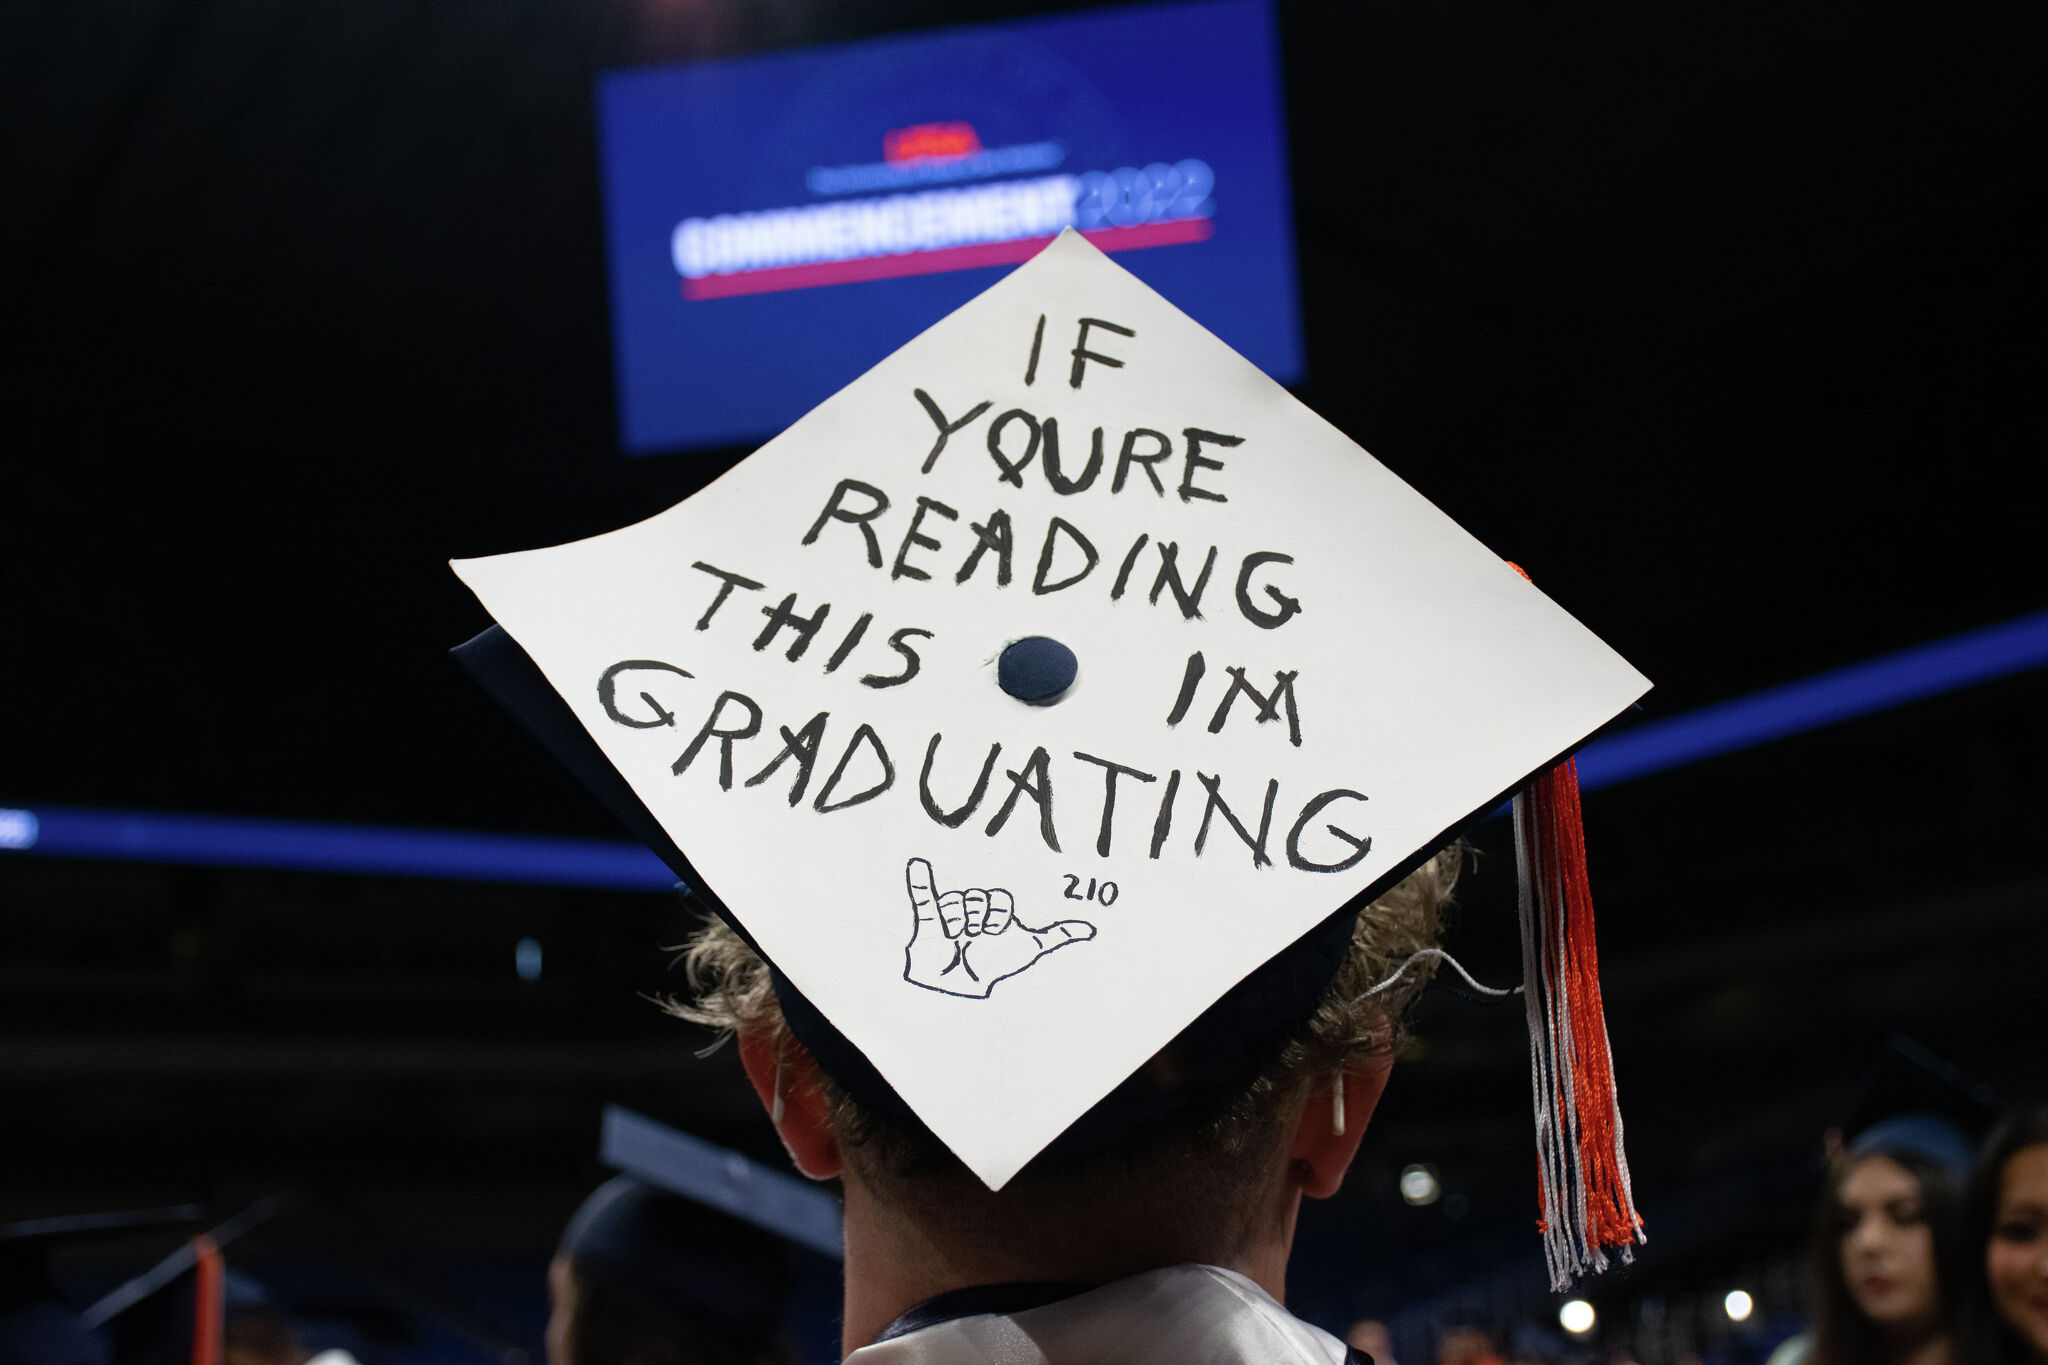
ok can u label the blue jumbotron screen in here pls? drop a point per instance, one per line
(778, 224)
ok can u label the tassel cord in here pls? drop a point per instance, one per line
(1586, 1190)
(1432, 955)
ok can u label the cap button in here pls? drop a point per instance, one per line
(1037, 670)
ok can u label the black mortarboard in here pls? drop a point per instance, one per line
(718, 1178)
(630, 1236)
(991, 890)
(1911, 1099)
(698, 1229)
(38, 1326)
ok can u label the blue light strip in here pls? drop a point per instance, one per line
(1653, 747)
(1825, 699)
(369, 850)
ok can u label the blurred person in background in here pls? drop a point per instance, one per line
(39, 1322)
(261, 1337)
(645, 1278)
(2006, 1322)
(254, 1330)
(1370, 1336)
(1923, 1116)
(1466, 1346)
(1888, 1259)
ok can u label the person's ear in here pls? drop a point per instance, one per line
(1327, 1134)
(786, 1079)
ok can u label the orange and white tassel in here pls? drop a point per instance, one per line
(1588, 1207)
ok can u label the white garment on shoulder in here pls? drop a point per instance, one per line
(1182, 1315)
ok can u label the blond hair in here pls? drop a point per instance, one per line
(1362, 1014)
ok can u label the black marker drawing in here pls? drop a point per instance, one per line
(963, 942)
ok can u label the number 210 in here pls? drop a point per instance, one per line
(1102, 893)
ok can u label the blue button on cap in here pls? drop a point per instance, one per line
(1037, 670)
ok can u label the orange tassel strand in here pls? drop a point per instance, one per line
(1587, 1204)
(208, 1303)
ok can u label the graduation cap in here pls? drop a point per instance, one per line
(696, 1228)
(1060, 688)
(1914, 1100)
(632, 1236)
(175, 1310)
(664, 1158)
(38, 1326)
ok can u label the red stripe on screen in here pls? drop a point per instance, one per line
(778, 278)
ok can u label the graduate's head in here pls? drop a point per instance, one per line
(1887, 1257)
(1887, 1265)
(1190, 1138)
(1040, 887)
(644, 1278)
(2006, 1226)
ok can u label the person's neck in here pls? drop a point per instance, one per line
(1927, 1346)
(895, 1261)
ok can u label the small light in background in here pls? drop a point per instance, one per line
(1419, 1185)
(526, 959)
(18, 828)
(1576, 1317)
(1738, 1305)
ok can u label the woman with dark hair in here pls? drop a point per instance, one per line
(2008, 1226)
(1888, 1248)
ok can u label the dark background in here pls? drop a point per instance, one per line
(1728, 321)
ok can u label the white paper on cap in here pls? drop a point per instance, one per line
(1426, 675)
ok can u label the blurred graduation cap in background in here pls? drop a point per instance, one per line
(38, 1324)
(191, 1300)
(176, 1312)
(1911, 1099)
(696, 1236)
(957, 948)
(663, 1158)
(198, 1311)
